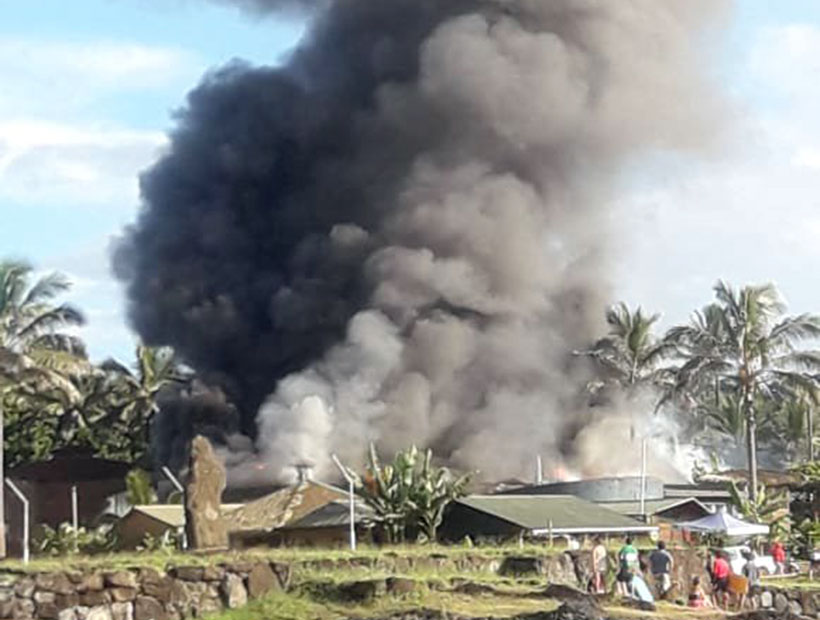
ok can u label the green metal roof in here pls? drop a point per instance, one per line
(652, 506)
(563, 514)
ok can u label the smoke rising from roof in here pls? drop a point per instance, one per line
(400, 234)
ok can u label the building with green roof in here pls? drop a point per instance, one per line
(507, 516)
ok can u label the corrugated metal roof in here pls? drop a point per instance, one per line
(334, 514)
(172, 514)
(283, 507)
(652, 507)
(565, 513)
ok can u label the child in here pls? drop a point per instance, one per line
(697, 597)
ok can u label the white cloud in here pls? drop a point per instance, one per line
(752, 216)
(57, 163)
(52, 77)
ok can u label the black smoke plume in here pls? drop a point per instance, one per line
(400, 234)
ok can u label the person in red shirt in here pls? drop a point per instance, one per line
(779, 556)
(720, 580)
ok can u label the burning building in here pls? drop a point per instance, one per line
(402, 232)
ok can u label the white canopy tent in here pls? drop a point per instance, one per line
(723, 523)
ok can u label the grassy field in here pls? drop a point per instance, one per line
(163, 559)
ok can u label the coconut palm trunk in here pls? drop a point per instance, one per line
(751, 446)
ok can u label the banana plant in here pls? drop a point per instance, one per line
(766, 506)
(408, 495)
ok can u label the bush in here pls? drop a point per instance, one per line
(65, 540)
(168, 542)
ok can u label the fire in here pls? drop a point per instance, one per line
(560, 473)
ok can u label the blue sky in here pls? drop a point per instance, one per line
(89, 87)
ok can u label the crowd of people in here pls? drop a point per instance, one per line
(635, 572)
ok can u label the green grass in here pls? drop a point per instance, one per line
(279, 606)
(161, 560)
(292, 606)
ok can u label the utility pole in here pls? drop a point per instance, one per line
(178, 486)
(26, 518)
(2, 477)
(643, 478)
(351, 499)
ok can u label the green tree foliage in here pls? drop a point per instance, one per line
(765, 506)
(408, 495)
(630, 356)
(139, 488)
(741, 351)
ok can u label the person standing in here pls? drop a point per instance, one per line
(628, 565)
(752, 574)
(720, 580)
(779, 557)
(661, 564)
(599, 566)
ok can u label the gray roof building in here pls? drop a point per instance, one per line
(535, 515)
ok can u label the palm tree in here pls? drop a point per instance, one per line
(630, 354)
(742, 345)
(35, 353)
(155, 369)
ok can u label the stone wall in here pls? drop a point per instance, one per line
(783, 599)
(192, 591)
(137, 594)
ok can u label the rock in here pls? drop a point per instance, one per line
(795, 608)
(204, 524)
(575, 610)
(160, 589)
(362, 591)
(41, 597)
(95, 598)
(632, 603)
(91, 582)
(207, 606)
(520, 565)
(122, 595)
(24, 608)
(262, 580)
(147, 608)
(234, 593)
(781, 603)
(64, 601)
(213, 573)
(47, 611)
(81, 612)
(121, 579)
(567, 593)
(188, 573)
(149, 575)
(7, 609)
(6, 594)
(122, 611)
(24, 588)
(766, 599)
(241, 568)
(58, 583)
(400, 586)
(472, 588)
(807, 603)
(185, 596)
(99, 613)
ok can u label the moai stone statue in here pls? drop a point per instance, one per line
(205, 527)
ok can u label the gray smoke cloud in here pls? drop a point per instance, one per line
(401, 234)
